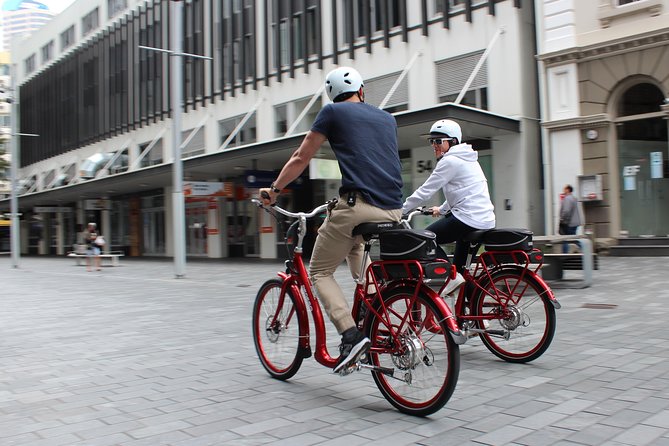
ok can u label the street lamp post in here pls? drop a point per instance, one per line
(176, 86)
(176, 90)
(14, 202)
(15, 229)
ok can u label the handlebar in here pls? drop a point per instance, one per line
(282, 211)
(418, 211)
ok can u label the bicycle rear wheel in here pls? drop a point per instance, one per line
(422, 363)
(276, 330)
(521, 310)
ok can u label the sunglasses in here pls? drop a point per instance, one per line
(437, 141)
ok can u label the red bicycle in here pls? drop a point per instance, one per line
(503, 300)
(414, 356)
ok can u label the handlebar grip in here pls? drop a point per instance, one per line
(264, 195)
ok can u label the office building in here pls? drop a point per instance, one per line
(102, 109)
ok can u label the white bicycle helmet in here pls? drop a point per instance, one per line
(448, 128)
(342, 80)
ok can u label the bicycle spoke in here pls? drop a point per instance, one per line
(275, 338)
(528, 318)
(425, 363)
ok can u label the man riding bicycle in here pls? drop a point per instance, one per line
(364, 141)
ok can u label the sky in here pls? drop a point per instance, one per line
(57, 6)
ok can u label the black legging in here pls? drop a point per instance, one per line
(449, 229)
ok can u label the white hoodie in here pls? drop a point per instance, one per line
(464, 185)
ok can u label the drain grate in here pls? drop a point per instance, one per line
(600, 306)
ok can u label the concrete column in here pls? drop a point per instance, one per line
(60, 235)
(268, 235)
(213, 228)
(43, 246)
(106, 224)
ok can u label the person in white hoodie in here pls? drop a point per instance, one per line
(467, 206)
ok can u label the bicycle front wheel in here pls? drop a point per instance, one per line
(522, 323)
(276, 330)
(421, 364)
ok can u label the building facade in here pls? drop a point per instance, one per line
(604, 67)
(5, 123)
(102, 110)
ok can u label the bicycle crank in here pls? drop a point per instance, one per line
(376, 368)
(505, 334)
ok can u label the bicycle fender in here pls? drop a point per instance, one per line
(549, 291)
(451, 322)
(287, 282)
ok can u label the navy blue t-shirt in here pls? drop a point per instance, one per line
(364, 140)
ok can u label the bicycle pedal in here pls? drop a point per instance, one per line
(350, 369)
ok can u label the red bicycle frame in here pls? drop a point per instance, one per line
(297, 279)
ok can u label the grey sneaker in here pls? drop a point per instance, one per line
(453, 286)
(353, 345)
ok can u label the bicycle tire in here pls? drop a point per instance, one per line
(529, 320)
(425, 364)
(277, 338)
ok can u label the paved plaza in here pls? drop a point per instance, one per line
(132, 356)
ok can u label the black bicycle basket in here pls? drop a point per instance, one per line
(408, 244)
(508, 239)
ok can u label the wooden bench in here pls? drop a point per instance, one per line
(114, 256)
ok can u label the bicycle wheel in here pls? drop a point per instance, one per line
(276, 330)
(422, 363)
(521, 311)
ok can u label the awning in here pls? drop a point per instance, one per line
(266, 155)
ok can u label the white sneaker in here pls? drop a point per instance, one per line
(453, 286)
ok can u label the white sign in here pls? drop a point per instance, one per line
(656, 165)
(322, 169)
(207, 188)
(97, 205)
(629, 177)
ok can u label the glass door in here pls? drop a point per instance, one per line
(153, 226)
(643, 154)
(196, 227)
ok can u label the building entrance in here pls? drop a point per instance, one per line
(642, 155)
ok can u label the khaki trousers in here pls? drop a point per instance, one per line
(335, 244)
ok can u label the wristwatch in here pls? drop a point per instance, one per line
(275, 189)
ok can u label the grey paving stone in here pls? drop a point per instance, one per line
(640, 435)
(145, 359)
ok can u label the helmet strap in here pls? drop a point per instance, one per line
(361, 95)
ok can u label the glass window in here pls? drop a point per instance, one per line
(641, 98)
(47, 52)
(90, 22)
(30, 64)
(155, 155)
(115, 6)
(286, 114)
(452, 75)
(246, 135)
(67, 38)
